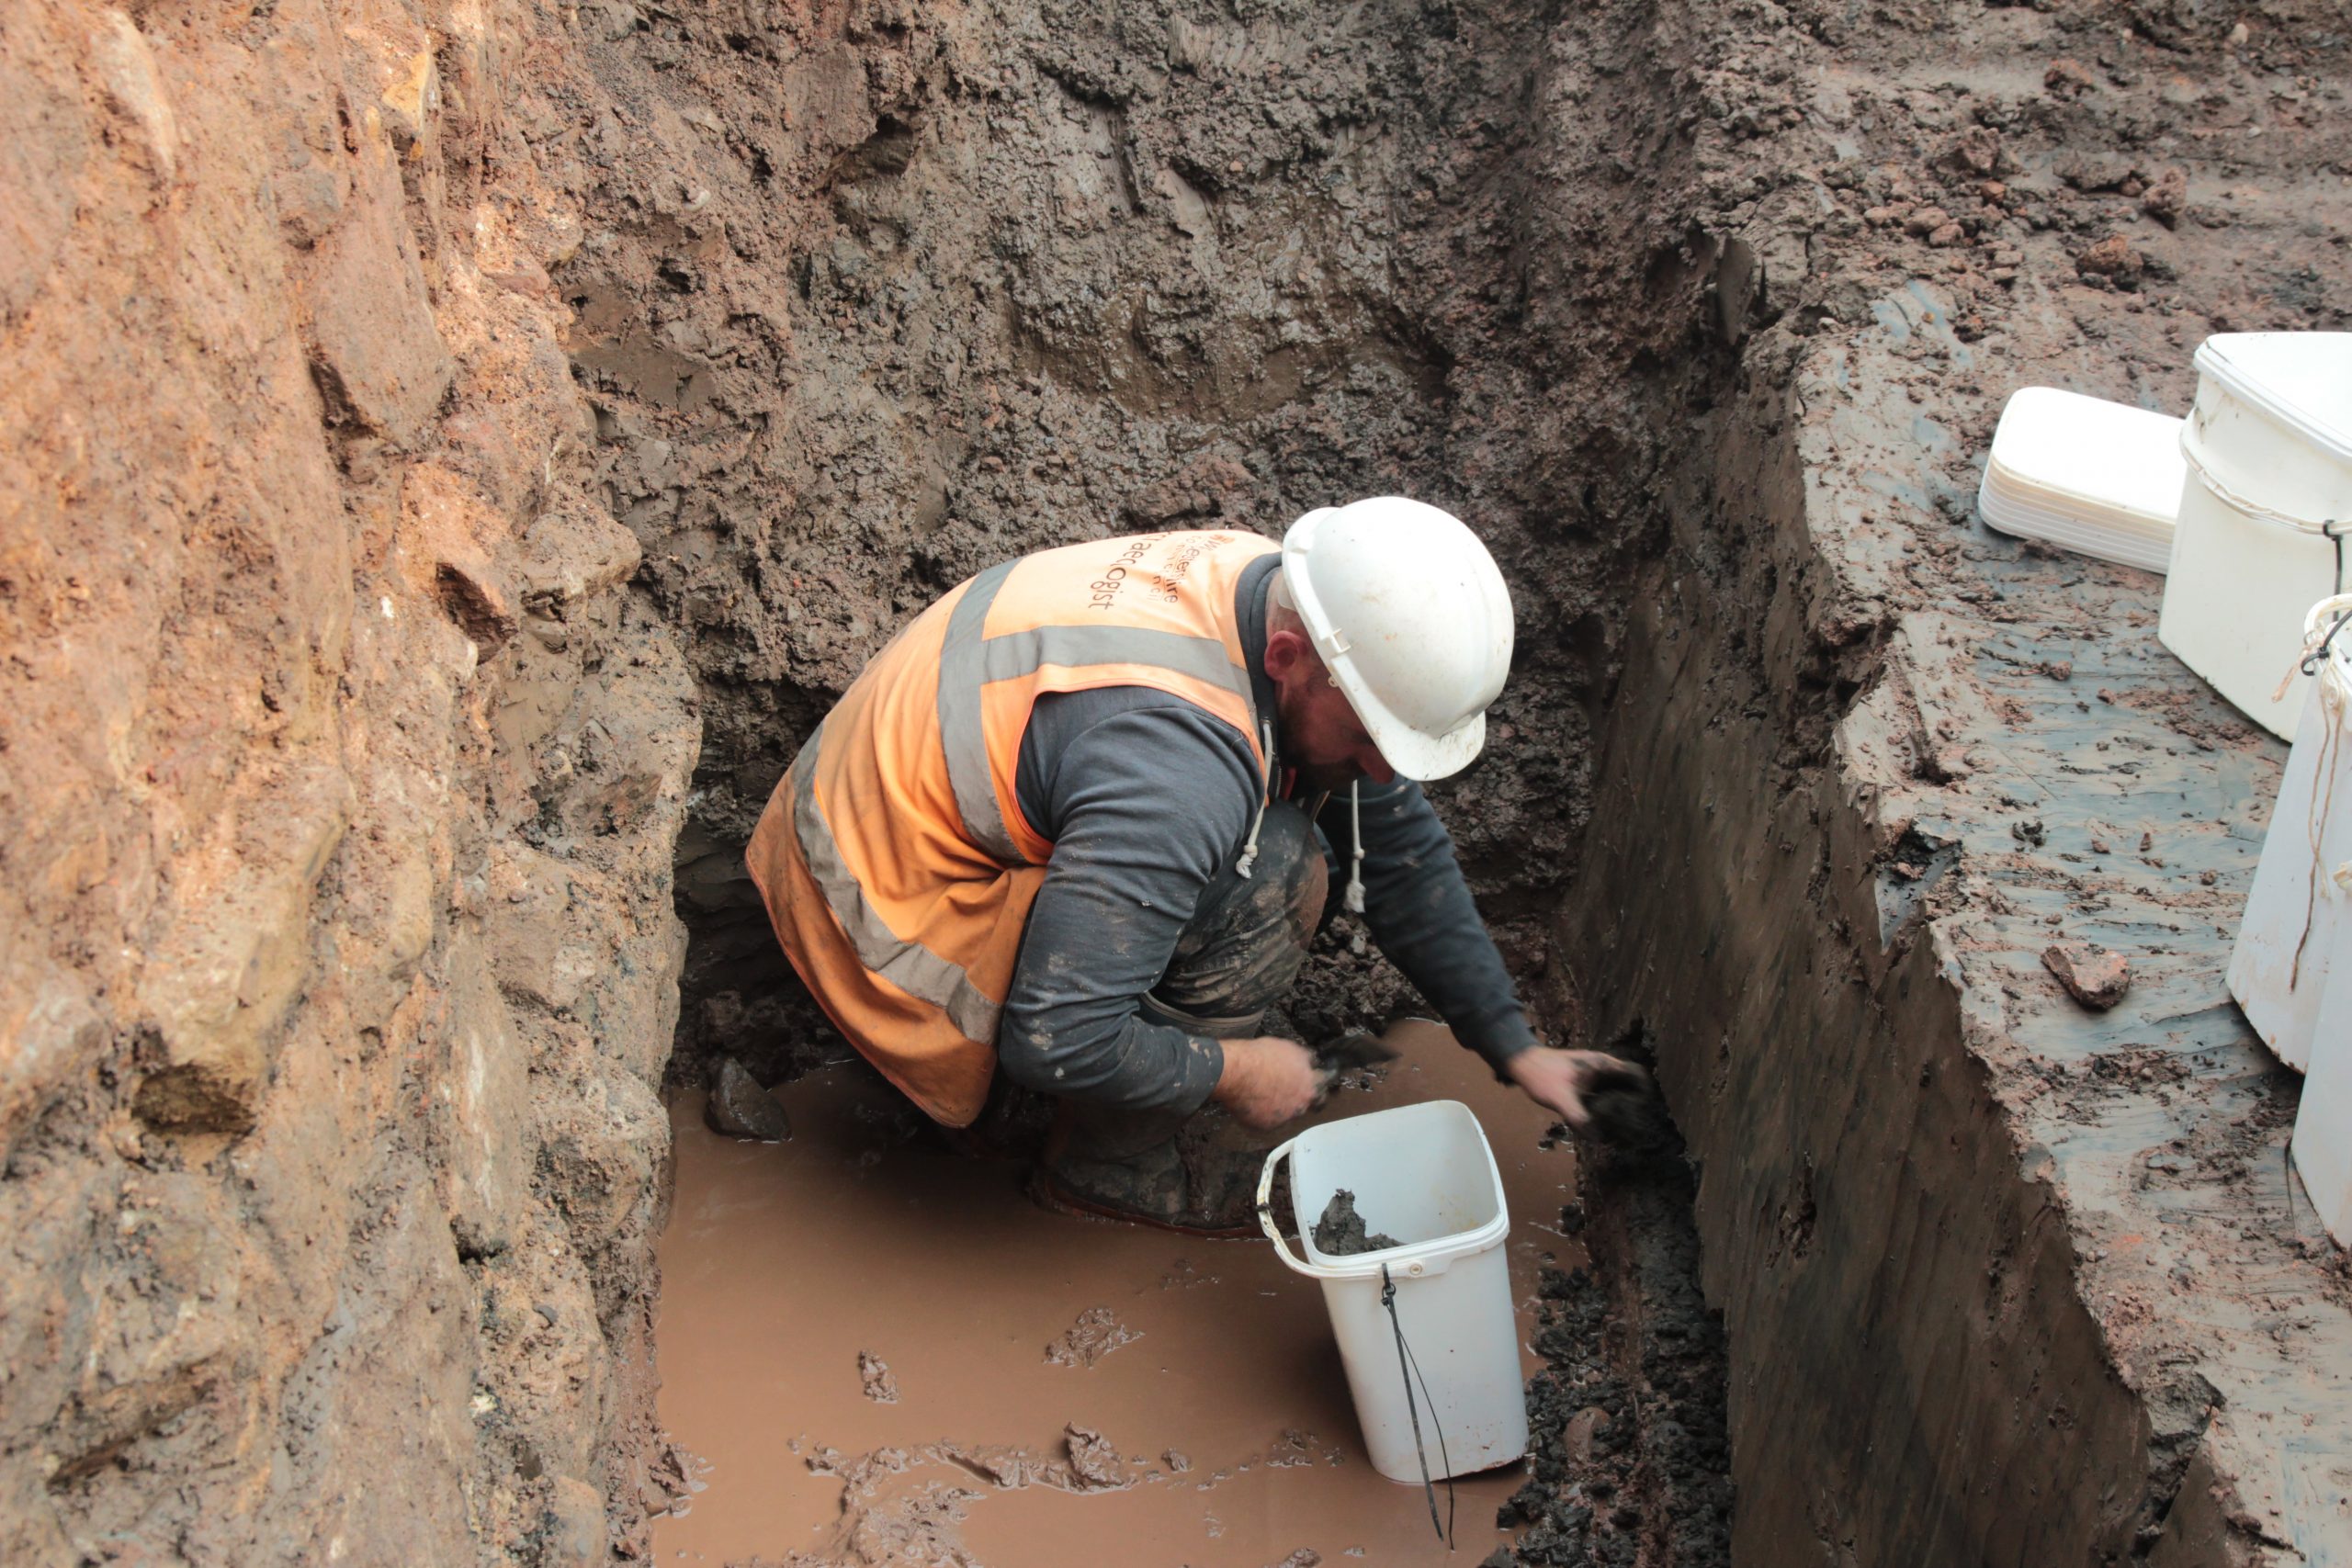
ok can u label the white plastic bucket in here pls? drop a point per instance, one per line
(2292, 969)
(2298, 924)
(2322, 1146)
(2083, 474)
(1424, 1174)
(2268, 444)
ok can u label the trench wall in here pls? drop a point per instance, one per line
(1913, 1379)
(342, 773)
(2004, 1279)
(1051, 273)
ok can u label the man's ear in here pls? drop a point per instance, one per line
(1286, 652)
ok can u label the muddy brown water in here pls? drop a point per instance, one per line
(788, 1270)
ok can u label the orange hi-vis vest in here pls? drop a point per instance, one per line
(895, 862)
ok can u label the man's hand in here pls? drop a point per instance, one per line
(1267, 1080)
(1561, 1081)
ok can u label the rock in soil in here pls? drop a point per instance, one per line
(740, 1108)
(1094, 1460)
(2113, 257)
(1095, 1335)
(575, 1532)
(2092, 976)
(1341, 1233)
(874, 1373)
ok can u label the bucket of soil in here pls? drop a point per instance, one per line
(1409, 1253)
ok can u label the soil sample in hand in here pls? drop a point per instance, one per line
(1342, 1230)
(1629, 1115)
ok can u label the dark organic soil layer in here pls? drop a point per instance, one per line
(1631, 1458)
(1634, 1464)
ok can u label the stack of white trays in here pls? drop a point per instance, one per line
(2085, 475)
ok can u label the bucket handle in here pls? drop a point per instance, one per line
(2331, 529)
(1280, 1153)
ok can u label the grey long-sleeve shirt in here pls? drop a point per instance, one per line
(1146, 798)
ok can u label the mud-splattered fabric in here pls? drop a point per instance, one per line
(1148, 801)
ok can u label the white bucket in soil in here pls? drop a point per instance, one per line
(2322, 1146)
(2297, 930)
(2083, 474)
(2291, 971)
(2268, 444)
(1424, 1175)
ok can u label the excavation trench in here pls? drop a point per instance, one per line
(1794, 776)
(1064, 275)
(1702, 316)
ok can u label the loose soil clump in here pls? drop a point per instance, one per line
(1627, 1115)
(1632, 1447)
(875, 1378)
(1095, 1335)
(1341, 1233)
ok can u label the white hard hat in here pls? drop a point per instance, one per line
(1409, 615)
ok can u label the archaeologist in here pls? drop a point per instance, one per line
(1067, 836)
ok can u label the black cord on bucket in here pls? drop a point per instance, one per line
(1408, 1368)
(2318, 656)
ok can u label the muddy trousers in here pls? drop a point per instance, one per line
(1236, 958)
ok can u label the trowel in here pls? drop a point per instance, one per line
(1353, 1051)
(1349, 1053)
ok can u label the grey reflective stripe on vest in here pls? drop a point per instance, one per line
(909, 965)
(1015, 654)
(960, 732)
(969, 661)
